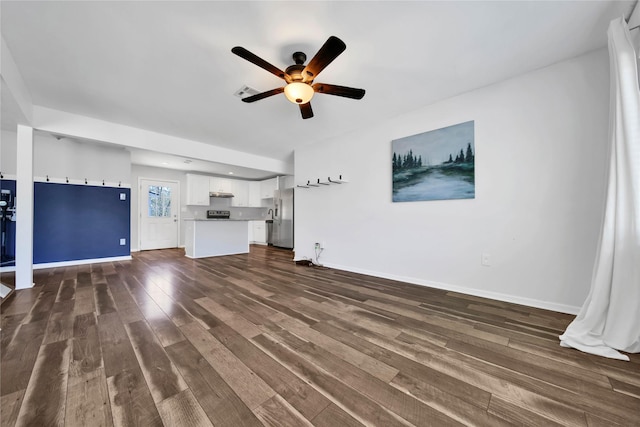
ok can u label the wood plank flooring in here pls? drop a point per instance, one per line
(252, 340)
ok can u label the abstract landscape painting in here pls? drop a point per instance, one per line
(435, 165)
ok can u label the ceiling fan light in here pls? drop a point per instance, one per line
(298, 93)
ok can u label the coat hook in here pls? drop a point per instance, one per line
(1, 176)
(103, 182)
(119, 183)
(67, 178)
(85, 181)
(47, 178)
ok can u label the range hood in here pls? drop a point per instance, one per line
(220, 194)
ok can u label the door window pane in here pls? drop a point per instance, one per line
(159, 201)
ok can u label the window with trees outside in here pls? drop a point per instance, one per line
(159, 201)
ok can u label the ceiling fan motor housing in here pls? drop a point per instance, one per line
(293, 73)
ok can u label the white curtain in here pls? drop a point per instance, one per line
(610, 317)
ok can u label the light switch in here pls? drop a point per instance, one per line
(123, 242)
(123, 196)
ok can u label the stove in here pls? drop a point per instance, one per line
(218, 214)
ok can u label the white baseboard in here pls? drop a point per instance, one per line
(546, 305)
(80, 262)
(68, 263)
(217, 255)
(138, 250)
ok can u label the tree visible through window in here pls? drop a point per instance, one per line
(159, 201)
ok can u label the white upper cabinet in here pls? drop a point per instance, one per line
(267, 187)
(245, 193)
(220, 185)
(240, 190)
(254, 194)
(197, 190)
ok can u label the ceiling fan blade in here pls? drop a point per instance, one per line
(347, 92)
(327, 53)
(255, 59)
(263, 95)
(306, 111)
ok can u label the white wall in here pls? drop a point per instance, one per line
(68, 158)
(540, 142)
(14, 90)
(80, 160)
(8, 153)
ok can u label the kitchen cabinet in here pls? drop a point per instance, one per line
(259, 232)
(240, 190)
(220, 185)
(254, 194)
(267, 187)
(197, 190)
(207, 238)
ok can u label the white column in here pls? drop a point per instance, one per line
(24, 208)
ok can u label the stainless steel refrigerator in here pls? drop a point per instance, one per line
(282, 233)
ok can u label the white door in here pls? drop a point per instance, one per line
(158, 205)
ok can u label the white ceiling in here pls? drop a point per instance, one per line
(167, 66)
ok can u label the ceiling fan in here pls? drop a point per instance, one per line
(299, 77)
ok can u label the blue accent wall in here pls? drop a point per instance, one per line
(10, 236)
(76, 222)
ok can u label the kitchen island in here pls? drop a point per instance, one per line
(215, 237)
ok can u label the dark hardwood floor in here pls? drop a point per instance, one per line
(256, 340)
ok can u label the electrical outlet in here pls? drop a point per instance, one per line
(486, 260)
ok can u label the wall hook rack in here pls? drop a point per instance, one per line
(337, 181)
(329, 181)
(308, 185)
